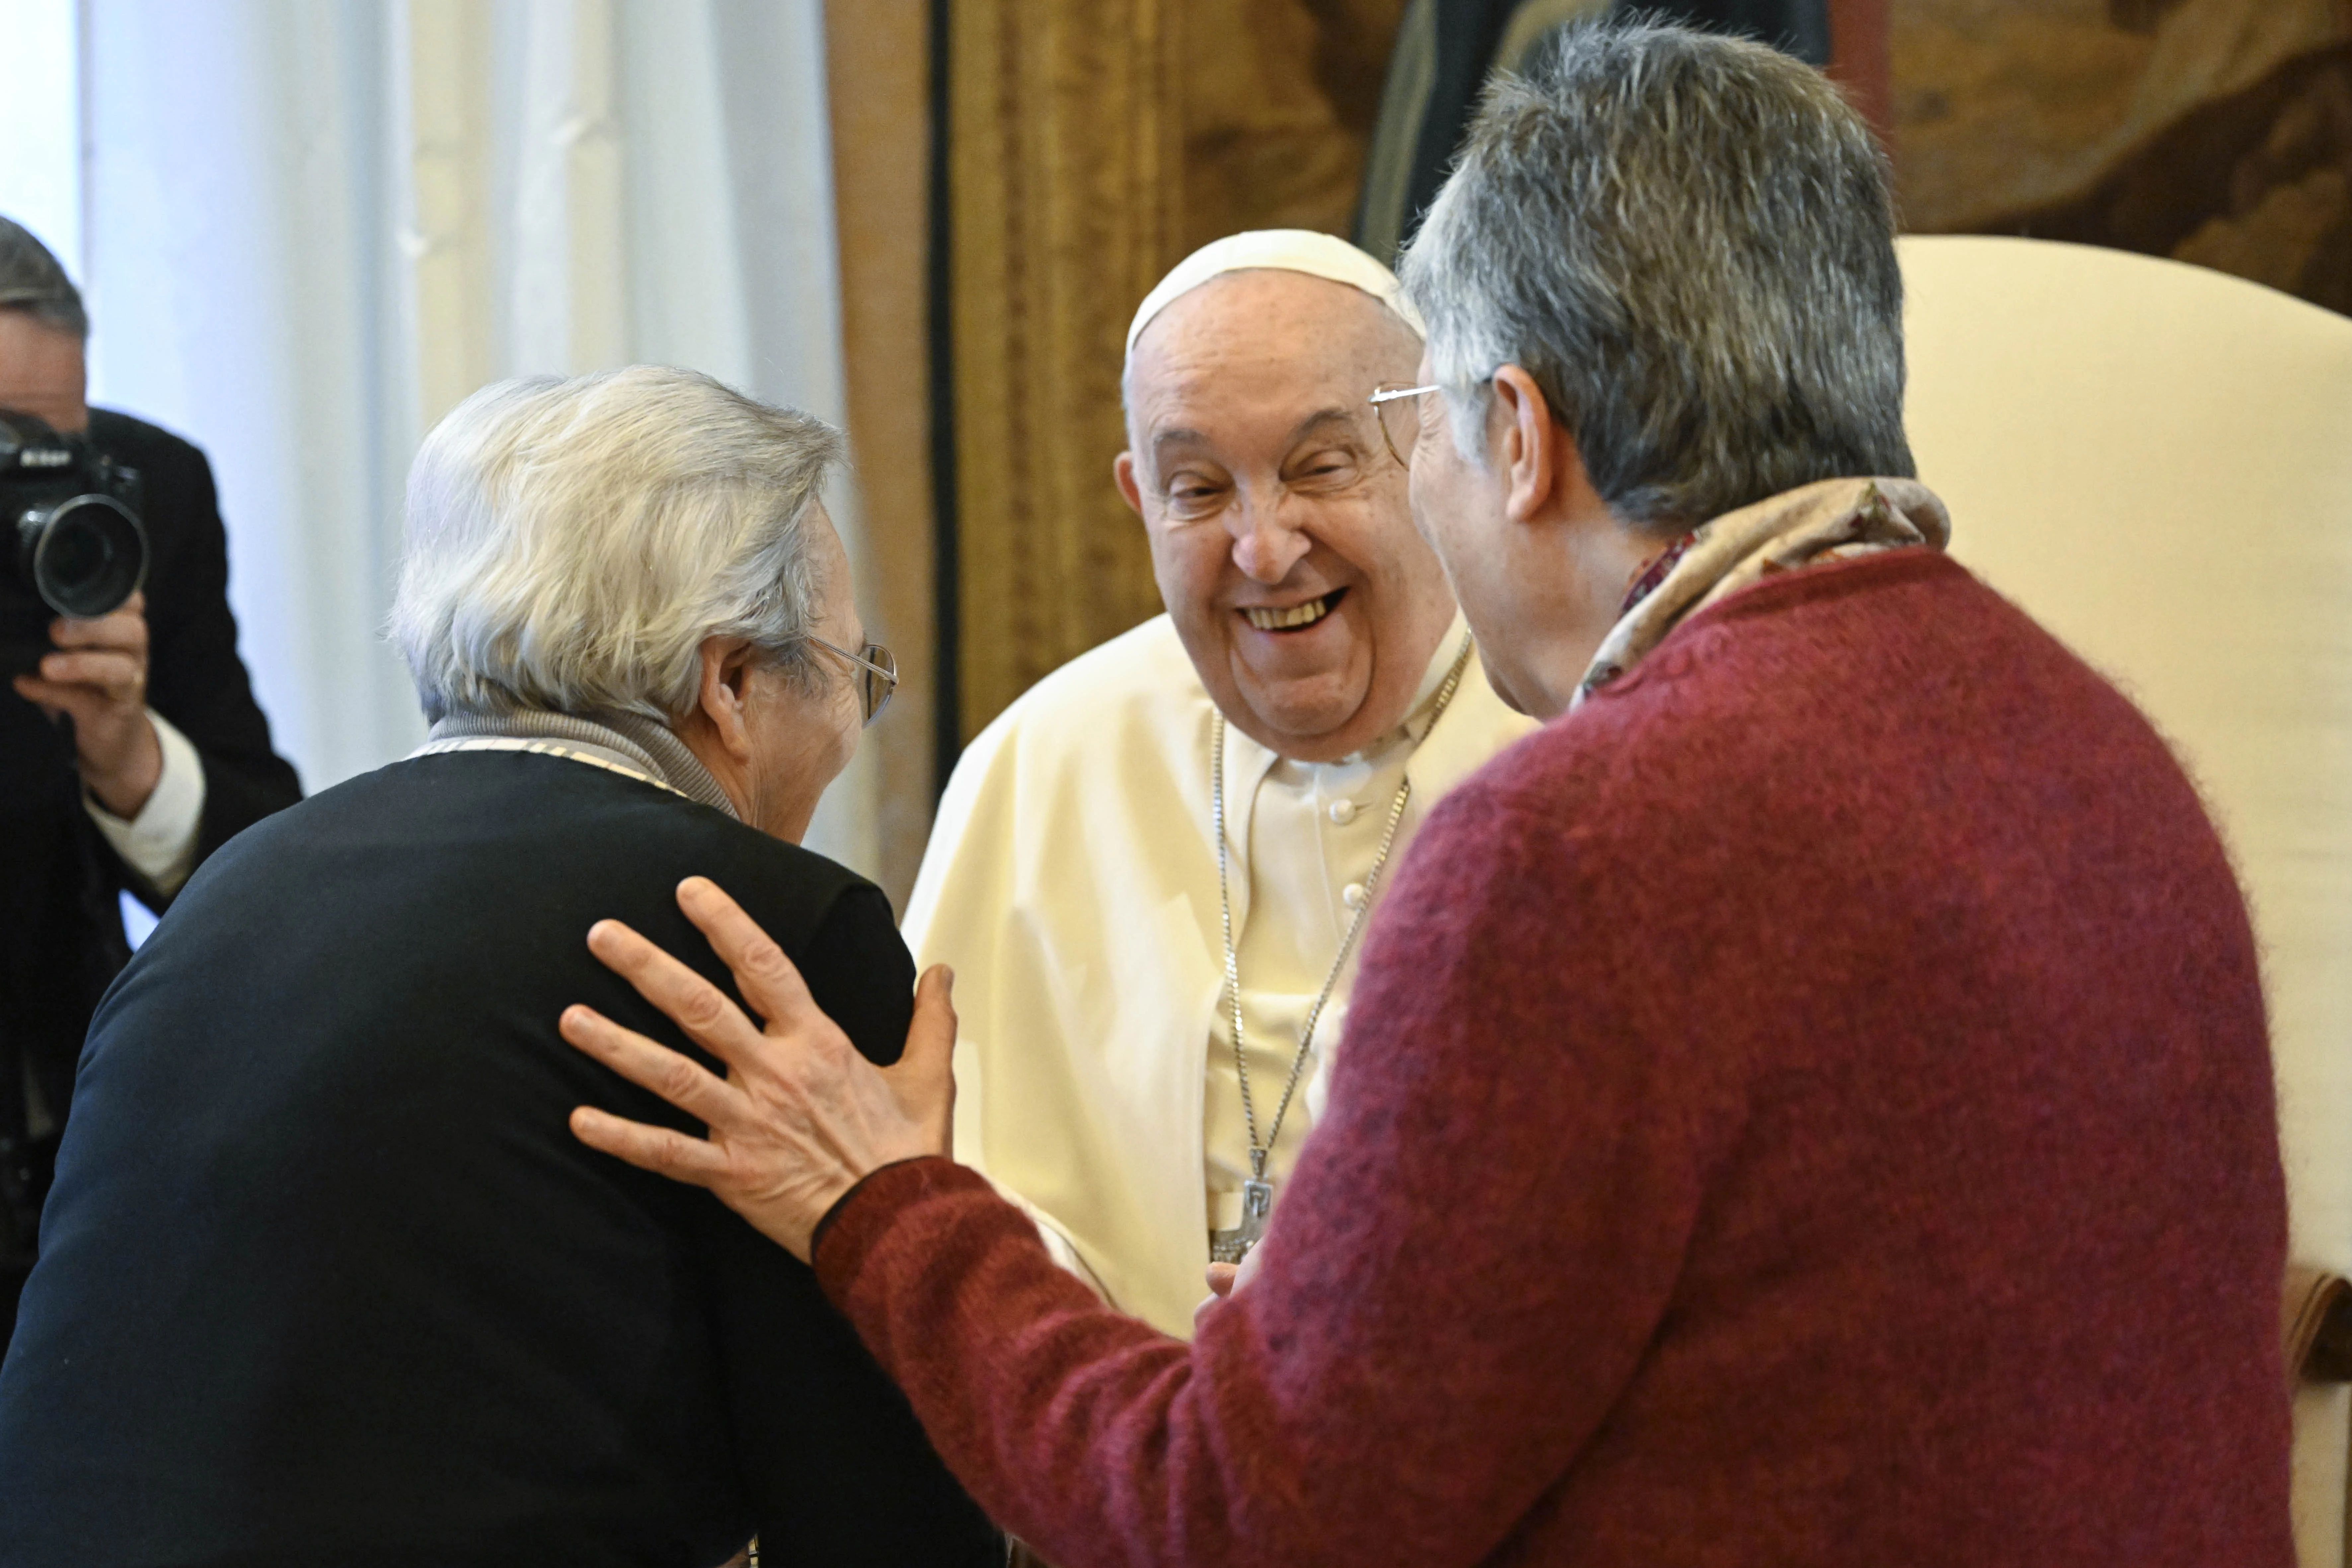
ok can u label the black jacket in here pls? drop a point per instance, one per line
(325, 1277)
(61, 937)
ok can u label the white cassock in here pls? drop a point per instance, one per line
(1071, 881)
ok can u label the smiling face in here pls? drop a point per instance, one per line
(1280, 533)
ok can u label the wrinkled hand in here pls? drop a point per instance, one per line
(97, 674)
(801, 1117)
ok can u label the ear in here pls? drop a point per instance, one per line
(726, 667)
(1534, 451)
(1123, 470)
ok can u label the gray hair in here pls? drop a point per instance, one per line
(572, 542)
(31, 280)
(1688, 242)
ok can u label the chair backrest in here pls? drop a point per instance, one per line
(2155, 461)
(2316, 1321)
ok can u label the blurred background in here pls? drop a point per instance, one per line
(307, 228)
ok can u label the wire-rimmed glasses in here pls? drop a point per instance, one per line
(1400, 413)
(877, 674)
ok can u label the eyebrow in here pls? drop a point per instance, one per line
(1298, 432)
(1318, 420)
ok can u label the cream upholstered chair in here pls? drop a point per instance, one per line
(2155, 461)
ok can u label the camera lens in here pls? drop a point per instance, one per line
(90, 556)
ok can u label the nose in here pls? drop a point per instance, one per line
(1265, 547)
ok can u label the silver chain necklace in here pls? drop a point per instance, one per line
(1258, 1191)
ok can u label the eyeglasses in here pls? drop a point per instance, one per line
(1400, 420)
(877, 674)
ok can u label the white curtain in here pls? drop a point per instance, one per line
(311, 227)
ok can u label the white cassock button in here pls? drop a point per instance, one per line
(1353, 895)
(1343, 812)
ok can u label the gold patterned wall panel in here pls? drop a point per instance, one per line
(877, 58)
(1280, 97)
(2214, 132)
(1091, 144)
(1065, 188)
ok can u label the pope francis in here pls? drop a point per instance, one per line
(1150, 874)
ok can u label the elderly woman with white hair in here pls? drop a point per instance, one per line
(324, 1276)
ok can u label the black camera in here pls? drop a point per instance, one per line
(70, 540)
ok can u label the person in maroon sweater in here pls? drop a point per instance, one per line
(1810, 1103)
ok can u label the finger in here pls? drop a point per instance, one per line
(693, 1004)
(930, 1038)
(922, 1080)
(88, 707)
(54, 699)
(660, 1149)
(681, 1080)
(106, 670)
(124, 629)
(925, 1069)
(1220, 1279)
(768, 980)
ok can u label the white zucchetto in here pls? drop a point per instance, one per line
(1280, 250)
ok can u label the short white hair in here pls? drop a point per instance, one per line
(572, 542)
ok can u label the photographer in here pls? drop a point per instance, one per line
(131, 746)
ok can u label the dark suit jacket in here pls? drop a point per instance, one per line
(325, 1277)
(60, 885)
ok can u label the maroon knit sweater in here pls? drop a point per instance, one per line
(1809, 1106)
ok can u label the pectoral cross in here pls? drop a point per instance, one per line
(1257, 1207)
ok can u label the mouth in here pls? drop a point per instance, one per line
(1297, 617)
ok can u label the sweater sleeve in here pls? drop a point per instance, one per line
(1476, 1247)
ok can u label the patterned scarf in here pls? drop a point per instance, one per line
(1835, 520)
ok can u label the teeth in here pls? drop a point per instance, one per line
(1304, 615)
